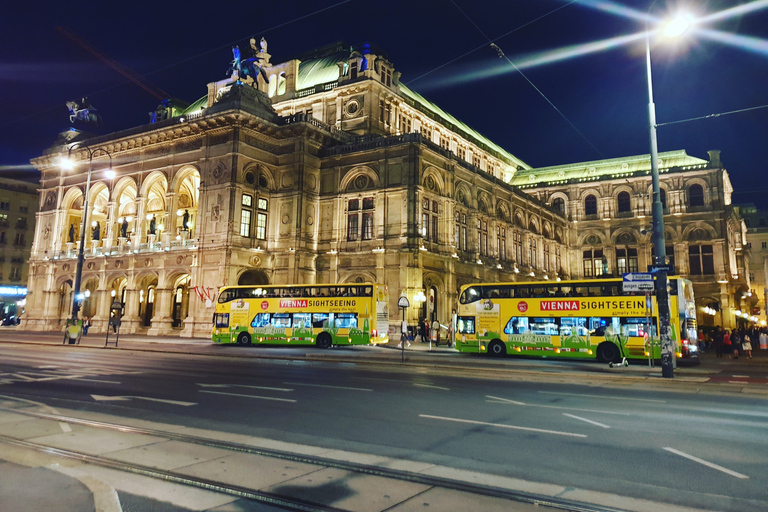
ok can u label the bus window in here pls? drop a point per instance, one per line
(320, 320)
(635, 327)
(517, 325)
(221, 319)
(544, 326)
(261, 320)
(346, 320)
(470, 295)
(570, 326)
(598, 325)
(301, 320)
(538, 291)
(465, 325)
(367, 291)
(490, 292)
(281, 320)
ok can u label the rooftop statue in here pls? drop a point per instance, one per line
(82, 111)
(245, 68)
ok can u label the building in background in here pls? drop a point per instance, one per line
(332, 171)
(754, 301)
(18, 206)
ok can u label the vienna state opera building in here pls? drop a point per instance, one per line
(333, 171)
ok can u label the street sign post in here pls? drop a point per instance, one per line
(403, 304)
(638, 282)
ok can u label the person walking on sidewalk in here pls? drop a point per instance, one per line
(727, 348)
(717, 337)
(735, 342)
(746, 345)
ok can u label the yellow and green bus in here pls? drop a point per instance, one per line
(312, 314)
(585, 319)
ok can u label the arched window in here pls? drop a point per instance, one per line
(281, 83)
(695, 195)
(624, 203)
(590, 205)
(558, 204)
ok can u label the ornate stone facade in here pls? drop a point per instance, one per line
(333, 171)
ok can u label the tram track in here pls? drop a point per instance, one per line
(290, 503)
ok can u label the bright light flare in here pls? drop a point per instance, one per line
(677, 27)
(751, 44)
(66, 164)
(109, 174)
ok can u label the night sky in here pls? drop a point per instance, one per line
(442, 49)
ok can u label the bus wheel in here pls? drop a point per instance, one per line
(497, 348)
(323, 340)
(607, 352)
(243, 338)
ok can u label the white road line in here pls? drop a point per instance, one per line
(99, 380)
(65, 427)
(323, 386)
(504, 400)
(501, 425)
(741, 376)
(497, 400)
(247, 396)
(603, 397)
(737, 382)
(47, 366)
(430, 386)
(242, 386)
(585, 419)
(708, 464)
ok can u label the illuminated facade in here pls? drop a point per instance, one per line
(755, 299)
(18, 204)
(335, 172)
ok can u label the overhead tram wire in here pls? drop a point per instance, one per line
(144, 75)
(504, 56)
(712, 116)
(473, 50)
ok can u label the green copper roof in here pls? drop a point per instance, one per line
(320, 71)
(431, 107)
(596, 169)
(198, 105)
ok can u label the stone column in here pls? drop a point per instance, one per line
(131, 322)
(161, 317)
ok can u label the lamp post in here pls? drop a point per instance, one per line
(84, 227)
(674, 29)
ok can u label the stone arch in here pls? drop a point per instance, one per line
(502, 211)
(699, 231)
(463, 194)
(559, 235)
(360, 178)
(705, 192)
(546, 230)
(147, 283)
(358, 276)
(70, 199)
(519, 220)
(559, 202)
(433, 180)
(663, 191)
(186, 183)
(434, 289)
(626, 236)
(253, 276)
(533, 226)
(484, 203)
(587, 192)
(591, 237)
(260, 176)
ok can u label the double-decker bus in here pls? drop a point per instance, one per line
(572, 319)
(317, 314)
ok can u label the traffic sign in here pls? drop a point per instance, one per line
(402, 302)
(638, 282)
(668, 268)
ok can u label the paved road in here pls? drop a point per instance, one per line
(632, 436)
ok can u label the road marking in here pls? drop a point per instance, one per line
(323, 386)
(242, 386)
(65, 427)
(497, 400)
(740, 376)
(501, 425)
(737, 382)
(708, 464)
(430, 386)
(47, 366)
(102, 398)
(585, 419)
(86, 379)
(247, 396)
(601, 397)
(505, 400)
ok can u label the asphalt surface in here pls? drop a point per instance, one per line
(715, 376)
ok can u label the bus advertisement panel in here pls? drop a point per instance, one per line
(576, 319)
(321, 315)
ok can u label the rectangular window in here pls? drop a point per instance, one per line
(518, 241)
(352, 223)
(482, 228)
(593, 263)
(765, 245)
(262, 204)
(546, 257)
(261, 226)
(532, 253)
(700, 260)
(5, 204)
(501, 242)
(558, 262)
(367, 225)
(247, 200)
(245, 222)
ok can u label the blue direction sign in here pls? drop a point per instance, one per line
(638, 282)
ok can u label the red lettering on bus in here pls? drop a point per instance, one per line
(522, 306)
(264, 304)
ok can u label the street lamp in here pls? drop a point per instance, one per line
(68, 164)
(673, 29)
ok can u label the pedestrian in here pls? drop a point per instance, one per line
(86, 325)
(717, 339)
(425, 331)
(727, 343)
(746, 345)
(735, 342)
(436, 332)
(764, 339)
